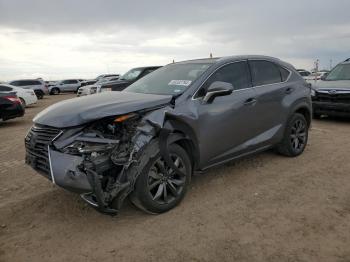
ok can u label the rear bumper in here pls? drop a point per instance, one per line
(13, 112)
(328, 108)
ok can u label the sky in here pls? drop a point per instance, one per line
(84, 38)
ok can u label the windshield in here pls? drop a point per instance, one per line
(132, 74)
(172, 79)
(340, 72)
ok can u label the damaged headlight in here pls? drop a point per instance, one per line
(83, 147)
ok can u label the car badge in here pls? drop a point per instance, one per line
(332, 92)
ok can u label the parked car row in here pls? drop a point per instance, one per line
(116, 84)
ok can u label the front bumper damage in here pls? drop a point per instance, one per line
(104, 179)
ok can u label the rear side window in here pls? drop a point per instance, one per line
(264, 73)
(5, 88)
(33, 83)
(25, 83)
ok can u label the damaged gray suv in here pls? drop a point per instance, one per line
(146, 141)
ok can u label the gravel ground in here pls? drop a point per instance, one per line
(262, 208)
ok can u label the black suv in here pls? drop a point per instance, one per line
(331, 96)
(129, 77)
(146, 141)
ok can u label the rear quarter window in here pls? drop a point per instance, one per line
(264, 72)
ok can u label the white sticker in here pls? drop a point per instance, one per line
(180, 83)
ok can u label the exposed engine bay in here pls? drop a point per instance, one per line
(101, 161)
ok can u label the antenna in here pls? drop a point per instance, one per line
(211, 55)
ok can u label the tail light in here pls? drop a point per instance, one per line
(13, 99)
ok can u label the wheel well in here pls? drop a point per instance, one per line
(189, 148)
(306, 113)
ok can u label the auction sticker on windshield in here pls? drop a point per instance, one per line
(180, 83)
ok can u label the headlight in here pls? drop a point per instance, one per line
(83, 147)
(313, 92)
(93, 90)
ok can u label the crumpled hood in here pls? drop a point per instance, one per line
(343, 85)
(78, 111)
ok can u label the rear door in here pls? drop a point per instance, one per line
(271, 85)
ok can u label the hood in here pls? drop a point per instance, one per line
(78, 111)
(341, 85)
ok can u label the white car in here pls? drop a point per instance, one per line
(315, 76)
(38, 85)
(69, 85)
(97, 87)
(27, 96)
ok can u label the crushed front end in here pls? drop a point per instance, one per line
(93, 160)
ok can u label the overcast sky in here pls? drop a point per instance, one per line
(84, 38)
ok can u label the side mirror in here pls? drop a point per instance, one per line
(217, 88)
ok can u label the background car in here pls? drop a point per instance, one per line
(10, 106)
(116, 83)
(38, 85)
(331, 95)
(130, 77)
(96, 87)
(315, 76)
(68, 85)
(27, 96)
(88, 82)
(106, 75)
(304, 73)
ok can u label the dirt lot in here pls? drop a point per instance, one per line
(262, 208)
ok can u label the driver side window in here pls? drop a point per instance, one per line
(236, 74)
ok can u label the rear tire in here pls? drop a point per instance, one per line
(55, 91)
(23, 102)
(159, 189)
(39, 94)
(295, 136)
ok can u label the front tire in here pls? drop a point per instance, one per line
(295, 136)
(158, 188)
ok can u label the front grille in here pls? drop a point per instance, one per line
(332, 98)
(36, 142)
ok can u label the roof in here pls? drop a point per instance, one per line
(233, 58)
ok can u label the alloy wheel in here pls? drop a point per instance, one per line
(298, 136)
(164, 184)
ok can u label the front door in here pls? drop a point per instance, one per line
(228, 124)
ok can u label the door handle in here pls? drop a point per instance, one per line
(250, 101)
(289, 90)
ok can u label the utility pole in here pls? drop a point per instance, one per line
(317, 62)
